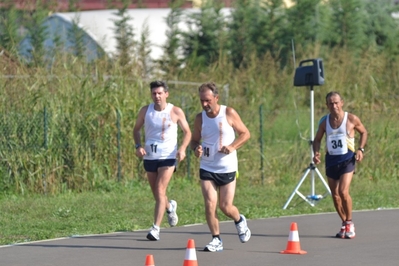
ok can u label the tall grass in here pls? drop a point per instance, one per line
(83, 101)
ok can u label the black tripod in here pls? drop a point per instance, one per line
(313, 197)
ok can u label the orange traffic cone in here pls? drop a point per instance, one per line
(149, 260)
(191, 257)
(293, 245)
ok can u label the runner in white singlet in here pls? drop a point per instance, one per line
(160, 150)
(340, 128)
(217, 126)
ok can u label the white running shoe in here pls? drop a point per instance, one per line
(215, 245)
(172, 216)
(243, 231)
(349, 230)
(153, 235)
(341, 233)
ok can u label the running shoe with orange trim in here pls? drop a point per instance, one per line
(349, 230)
(341, 233)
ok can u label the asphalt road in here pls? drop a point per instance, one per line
(376, 243)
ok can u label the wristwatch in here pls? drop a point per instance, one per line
(137, 146)
(361, 149)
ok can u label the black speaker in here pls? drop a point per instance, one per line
(309, 73)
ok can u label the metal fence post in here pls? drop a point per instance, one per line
(118, 140)
(45, 146)
(261, 141)
(45, 128)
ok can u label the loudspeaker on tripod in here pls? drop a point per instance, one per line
(309, 75)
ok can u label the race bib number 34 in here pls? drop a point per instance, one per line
(336, 144)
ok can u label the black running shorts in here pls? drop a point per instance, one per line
(220, 179)
(153, 165)
(336, 171)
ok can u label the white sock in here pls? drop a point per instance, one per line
(156, 227)
(170, 208)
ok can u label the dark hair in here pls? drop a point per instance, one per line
(159, 83)
(209, 86)
(332, 93)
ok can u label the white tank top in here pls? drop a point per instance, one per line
(216, 133)
(160, 134)
(338, 140)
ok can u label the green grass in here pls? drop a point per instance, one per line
(129, 206)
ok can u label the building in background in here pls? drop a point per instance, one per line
(85, 5)
(98, 30)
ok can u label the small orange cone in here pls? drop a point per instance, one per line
(149, 260)
(293, 245)
(191, 257)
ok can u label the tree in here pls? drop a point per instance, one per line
(75, 37)
(171, 61)
(383, 26)
(124, 35)
(203, 42)
(275, 39)
(9, 23)
(348, 25)
(37, 33)
(241, 29)
(304, 21)
(144, 51)
(256, 28)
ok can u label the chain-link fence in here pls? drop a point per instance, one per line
(43, 151)
(48, 152)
